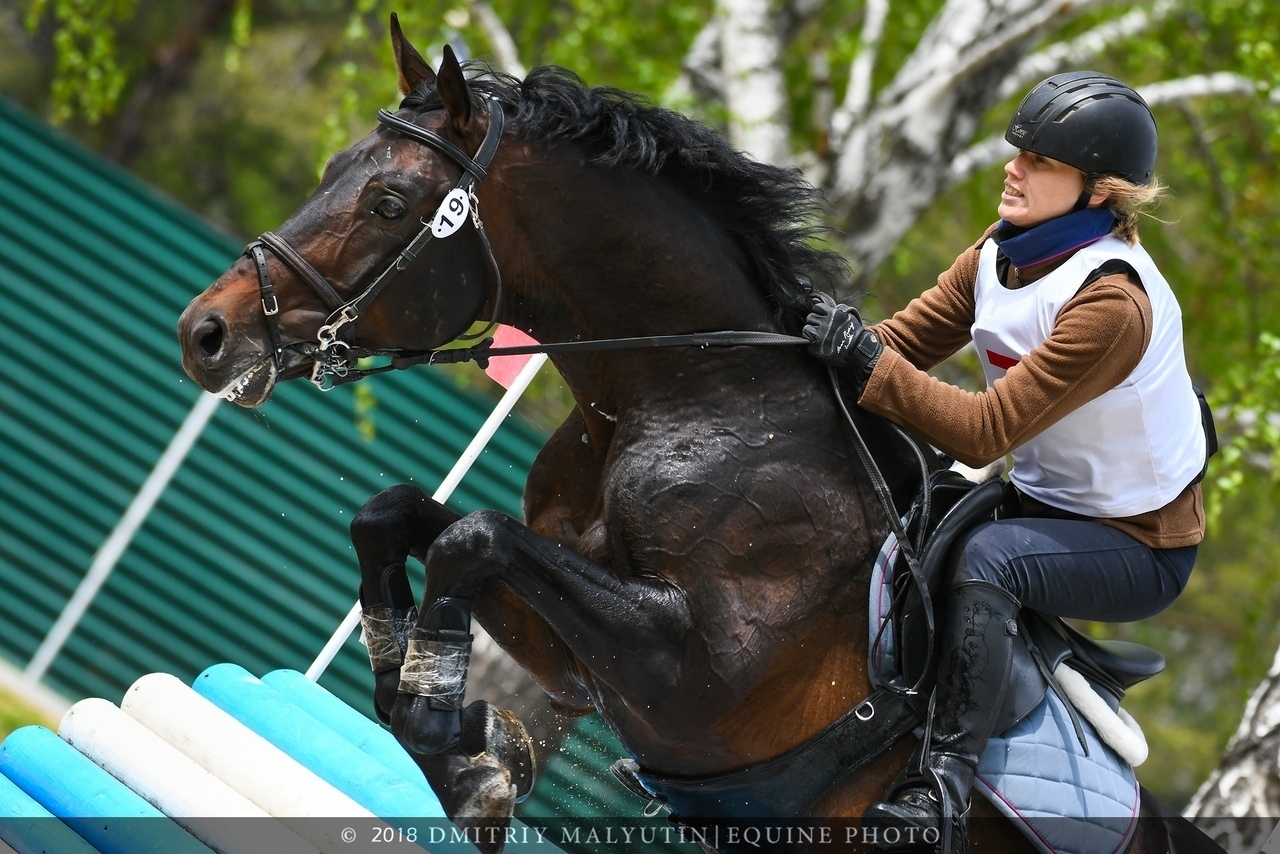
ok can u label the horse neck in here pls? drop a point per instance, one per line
(593, 253)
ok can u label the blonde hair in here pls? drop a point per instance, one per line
(1126, 200)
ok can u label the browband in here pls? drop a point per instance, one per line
(439, 143)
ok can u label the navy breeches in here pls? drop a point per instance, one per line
(1076, 569)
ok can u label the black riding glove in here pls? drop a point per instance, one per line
(837, 337)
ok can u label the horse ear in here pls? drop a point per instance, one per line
(453, 90)
(412, 70)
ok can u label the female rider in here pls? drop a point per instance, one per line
(1080, 338)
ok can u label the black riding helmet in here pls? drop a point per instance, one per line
(1090, 121)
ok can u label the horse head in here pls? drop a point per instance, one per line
(388, 253)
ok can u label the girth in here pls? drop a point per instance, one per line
(790, 785)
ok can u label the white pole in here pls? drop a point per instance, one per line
(460, 468)
(114, 546)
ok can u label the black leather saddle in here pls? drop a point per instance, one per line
(948, 507)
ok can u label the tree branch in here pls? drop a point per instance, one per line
(1034, 23)
(857, 98)
(700, 78)
(1221, 192)
(1082, 49)
(1202, 85)
(953, 46)
(979, 156)
(170, 68)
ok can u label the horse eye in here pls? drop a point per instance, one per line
(390, 208)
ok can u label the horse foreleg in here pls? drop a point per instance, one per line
(394, 524)
(479, 760)
(485, 749)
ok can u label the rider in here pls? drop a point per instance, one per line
(1080, 338)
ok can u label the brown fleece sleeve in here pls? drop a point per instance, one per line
(937, 323)
(1099, 337)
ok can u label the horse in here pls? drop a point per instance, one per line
(699, 531)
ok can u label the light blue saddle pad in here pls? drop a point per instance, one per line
(1038, 775)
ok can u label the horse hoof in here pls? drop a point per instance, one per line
(493, 732)
(476, 793)
(483, 798)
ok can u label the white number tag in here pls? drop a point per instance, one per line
(452, 214)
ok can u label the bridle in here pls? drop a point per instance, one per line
(334, 356)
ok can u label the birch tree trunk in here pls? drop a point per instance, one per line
(1246, 783)
(754, 87)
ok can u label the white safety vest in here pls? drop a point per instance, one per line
(1129, 451)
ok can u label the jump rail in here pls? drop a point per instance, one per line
(231, 763)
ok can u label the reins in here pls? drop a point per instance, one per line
(484, 351)
(905, 545)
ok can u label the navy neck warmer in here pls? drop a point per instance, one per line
(1027, 247)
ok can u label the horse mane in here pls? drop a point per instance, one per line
(772, 213)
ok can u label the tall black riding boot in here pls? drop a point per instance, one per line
(928, 805)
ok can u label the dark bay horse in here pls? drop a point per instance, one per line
(699, 530)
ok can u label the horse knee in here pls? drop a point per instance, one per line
(402, 519)
(388, 512)
(473, 537)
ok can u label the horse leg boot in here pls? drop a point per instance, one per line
(396, 523)
(928, 805)
(387, 615)
(479, 759)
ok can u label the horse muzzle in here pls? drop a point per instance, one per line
(234, 361)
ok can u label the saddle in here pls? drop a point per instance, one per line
(904, 640)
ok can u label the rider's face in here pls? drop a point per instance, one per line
(1037, 189)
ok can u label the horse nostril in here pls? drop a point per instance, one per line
(209, 337)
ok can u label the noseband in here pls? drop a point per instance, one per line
(333, 356)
